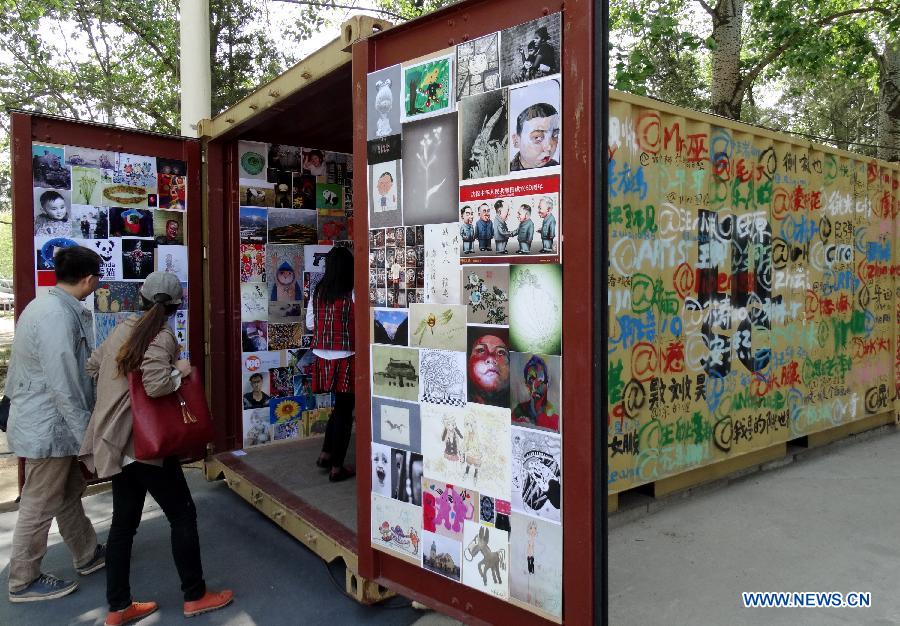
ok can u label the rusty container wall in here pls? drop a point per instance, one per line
(751, 292)
(582, 562)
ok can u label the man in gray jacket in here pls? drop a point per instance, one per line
(502, 233)
(548, 225)
(52, 398)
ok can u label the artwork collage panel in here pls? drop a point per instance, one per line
(130, 209)
(295, 204)
(465, 298)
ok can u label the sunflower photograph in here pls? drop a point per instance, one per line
(284, 409)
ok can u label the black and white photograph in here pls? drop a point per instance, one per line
(52, 212)
(385, 204)
(531, 50)
(535, 126)
(383, 106)
(430, 170)
(484, 135)
(282, 157)
(478, 66)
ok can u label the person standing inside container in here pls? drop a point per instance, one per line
(147, 345)
(51, 401)
(330, 316)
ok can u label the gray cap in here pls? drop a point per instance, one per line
(162, 283)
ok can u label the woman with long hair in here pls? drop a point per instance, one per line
(147, 345)
(330, 316)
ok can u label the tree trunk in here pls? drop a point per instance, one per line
(727, 90)
(889, 102)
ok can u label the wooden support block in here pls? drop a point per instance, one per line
(612, 503)
(721, 469)
(825, 437)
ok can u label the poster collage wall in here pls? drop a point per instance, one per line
(295, 204)
(130, 209)
(465, 293)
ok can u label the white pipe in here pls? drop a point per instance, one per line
(196, 77)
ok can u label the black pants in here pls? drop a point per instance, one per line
(167, 486)
(337, 432)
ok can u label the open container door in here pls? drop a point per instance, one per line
(484, 411)
(134, 197)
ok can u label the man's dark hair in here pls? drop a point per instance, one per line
(462, 211)
(74, 263)
(49, 196)
(527, 208)
(540, 109)
(388, 174)
(256, 376)
(498, 205)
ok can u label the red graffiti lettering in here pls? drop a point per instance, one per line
(697, 148)
(674, 358)
(648, 132)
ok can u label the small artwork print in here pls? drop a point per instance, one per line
(486, 559)
(478, 66)
(536, 473)
(282, 157)
(286, 312)
(292, 429)
(87, 186)
(397, 528)
(385, 204)
(46, 249)
(427, 88)
(488, 365)
(468, 447)
(292, 226)
(174, 260)
(110, 251)
(381, 470)
(168, 228)
(440, 326)
(117, 297)
(332, 227)
(172, 191)
(531, 50)
(88, 157)
(252, 159)
(535, 385)
(253, 225)
(484, 136)
(90, 222)
(535, 562)
(104, 323)
(441, 555)
(254, 303)
(171, 166)
(284, 336)
(52, 213)
(390, 326)
(137, 259)
(442, 377)
(281, 381)
(329, 196)
(430, 171)
(285, 264)
(535, 308)
(406, 476)
(257, 430)
(303, 194)
(283, 410)
(486, 293)
(257, 195)
(253, 263)
(253, 336)
(442, 244)
(48, 167)
(395, 372)
(314, 162)
(314, 258)
(136, 170)
(130, 222)
(535, 126)
(383, 103)
(445, 508)
(396, 424)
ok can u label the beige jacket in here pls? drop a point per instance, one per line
(108, 437)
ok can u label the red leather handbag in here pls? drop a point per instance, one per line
(177, 424)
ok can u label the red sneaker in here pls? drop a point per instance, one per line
(210, 602)
(137, 610)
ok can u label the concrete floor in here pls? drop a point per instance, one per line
(826, 522)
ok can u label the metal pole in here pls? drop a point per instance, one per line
(195, 65)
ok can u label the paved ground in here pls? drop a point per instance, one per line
(276, 580)
(827, 522)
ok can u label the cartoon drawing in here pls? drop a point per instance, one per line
(384, 103)
(442, 377)
(493, 560)
(451, 436)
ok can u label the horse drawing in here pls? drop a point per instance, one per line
(495, 560)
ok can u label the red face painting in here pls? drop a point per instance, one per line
(489, 364)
